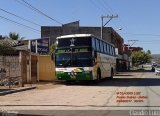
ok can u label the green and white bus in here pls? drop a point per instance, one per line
(84, 57)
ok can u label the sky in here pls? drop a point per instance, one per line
(139, 19)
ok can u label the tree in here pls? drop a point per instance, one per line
(15, 36)
(148, 51)
(140, 57)
(52, 48)
(6, 50)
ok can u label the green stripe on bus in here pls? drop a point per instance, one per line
(79, 76)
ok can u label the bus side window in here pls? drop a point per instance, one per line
(102, 48)
(97, 45)
(113, 51)
(93, 43)
(107, 48)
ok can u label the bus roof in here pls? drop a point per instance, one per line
(81, 35)
(74, 35)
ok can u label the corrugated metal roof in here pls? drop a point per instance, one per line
(8, 42)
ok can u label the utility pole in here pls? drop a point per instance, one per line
(110, 18)
(131, 44)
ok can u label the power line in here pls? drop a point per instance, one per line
(99, 8)
(105, 3)
(9, 20)
(149, 41)
(104, 7)
(37, 10)
(19, 17)
(138, 34)
(107, 7)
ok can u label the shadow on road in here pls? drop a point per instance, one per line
(140, 70)
(122, 82)
(131, 82)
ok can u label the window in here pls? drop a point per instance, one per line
(101, 46)
(113, 51)
(104, 45)
(110, 47)
(97, 45)
(93, 43)
(107, 48)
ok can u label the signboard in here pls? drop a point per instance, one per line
(43, 45)
(33, 46)
(40, 46)
(116, 51)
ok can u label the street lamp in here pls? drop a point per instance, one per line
(119, 29)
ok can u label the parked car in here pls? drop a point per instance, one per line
(157, 70)
(153, 67)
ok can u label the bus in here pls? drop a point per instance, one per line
(81, 57)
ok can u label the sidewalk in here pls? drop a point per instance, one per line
(5, 91)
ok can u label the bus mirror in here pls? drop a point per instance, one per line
(95, 54)
(94, 59)
(52, 56)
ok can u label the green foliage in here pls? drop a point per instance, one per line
(53, 48)
(6, 50)
(15, 36)
(148, 51)
(140, 57)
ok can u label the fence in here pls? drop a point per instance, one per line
(10, 71)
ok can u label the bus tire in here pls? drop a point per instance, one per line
(112, 74)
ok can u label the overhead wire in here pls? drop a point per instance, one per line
(28, 5)
(104, 6)
(19, 17)
(104, 2)
(99, 8)
(12, 21)
(142, 34)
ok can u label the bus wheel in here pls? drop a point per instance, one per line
(112, 73)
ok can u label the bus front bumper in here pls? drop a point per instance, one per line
(74, 76)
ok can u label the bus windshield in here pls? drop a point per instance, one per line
(63, 59)
(81, 59)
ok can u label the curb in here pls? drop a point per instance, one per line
(18, 90)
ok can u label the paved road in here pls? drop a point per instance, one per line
(127, 91)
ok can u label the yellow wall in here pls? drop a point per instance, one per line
(46, 68)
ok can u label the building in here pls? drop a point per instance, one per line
(128, 49)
